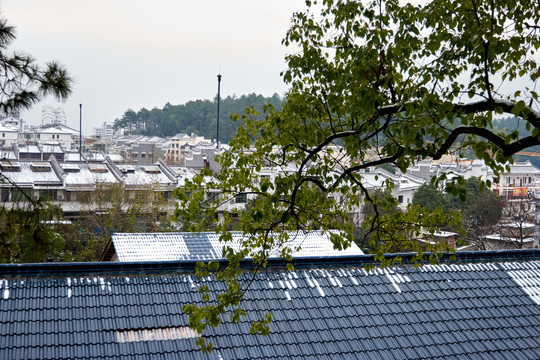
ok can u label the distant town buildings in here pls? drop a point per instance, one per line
(8, 135)
(106, 131)
(139, 149)
(175, 152)
(47, 161)
(53, 116)
(522, 180)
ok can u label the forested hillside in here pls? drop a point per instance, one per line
(197, 116)
(511, 124)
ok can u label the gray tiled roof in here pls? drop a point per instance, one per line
(465, 310)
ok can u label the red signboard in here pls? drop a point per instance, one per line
(520, 191)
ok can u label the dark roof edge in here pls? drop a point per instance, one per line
(188, 266)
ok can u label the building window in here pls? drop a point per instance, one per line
(21, 194)
(400, 199)
(48, 194)
(166, 195)
(212, 196)
(5, 194)
(241, 198)
(83, 196)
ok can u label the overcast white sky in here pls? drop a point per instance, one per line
(138, 53)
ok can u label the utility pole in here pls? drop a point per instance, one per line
(80, 132)
(218, 91)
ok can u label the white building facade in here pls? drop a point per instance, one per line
(53, 116)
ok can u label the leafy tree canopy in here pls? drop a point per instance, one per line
(480, 211)
(430, 197)
(23, 82)
(26, 234)
(373, 82)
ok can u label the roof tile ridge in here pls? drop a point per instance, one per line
(57, 168)
(275, 264)
(167, 170)
(114, 169)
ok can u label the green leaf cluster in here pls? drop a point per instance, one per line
(479, 208)
(28, 235)
(371, 83)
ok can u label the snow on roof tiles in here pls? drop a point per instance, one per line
(469, 308)
(140, 177)
(26, 176)
(206, 245)
(85, 177)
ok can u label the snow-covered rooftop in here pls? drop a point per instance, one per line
(525, 167)
(53, 130)
(89, 175)
(204, 246)
(52, 148)
(115, 157)
(377, 178)
(144, 175)
(32, 174)
(8, 154)
(73, 156)
(29, 148)
(499, 237)
(95, 156)
(8, 129)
